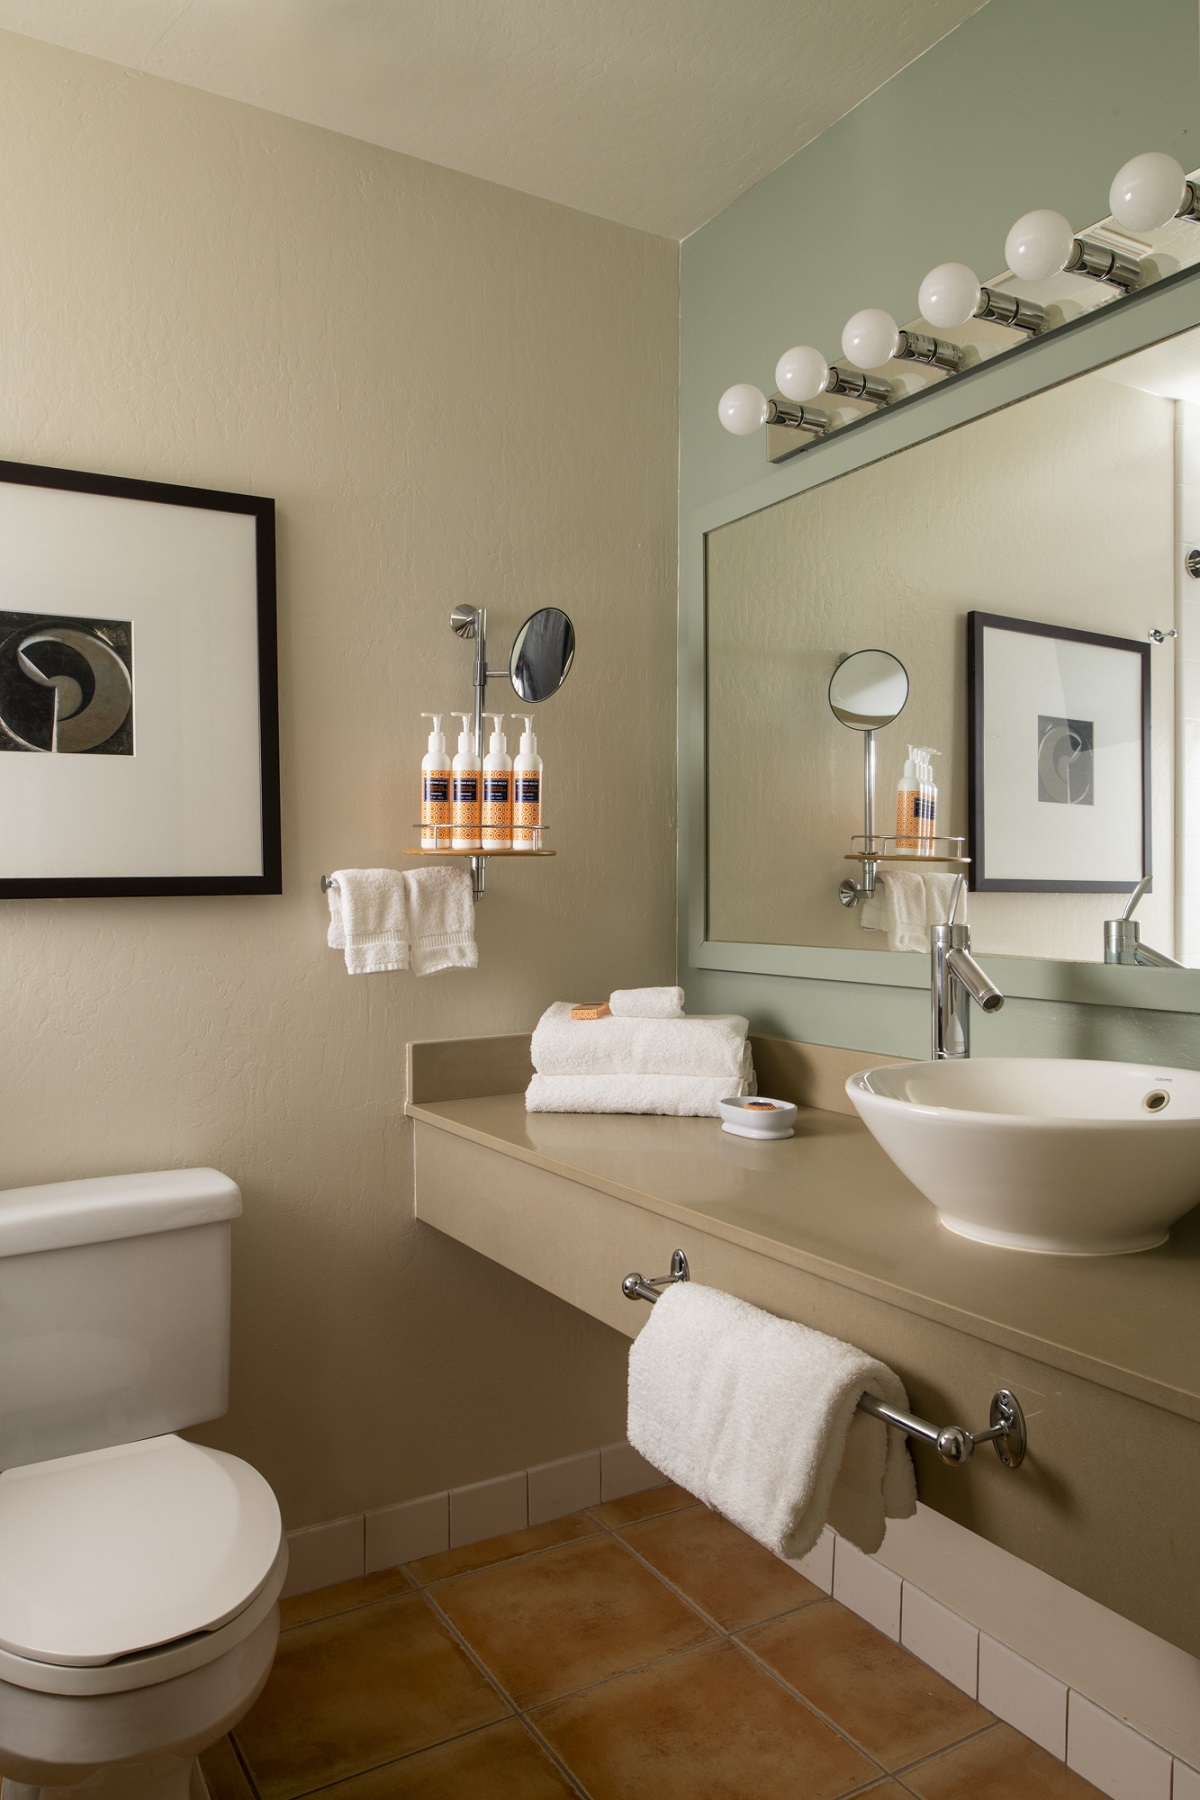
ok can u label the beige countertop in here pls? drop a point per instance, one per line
(829, 1201)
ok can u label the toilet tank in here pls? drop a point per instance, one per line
(114, 1310)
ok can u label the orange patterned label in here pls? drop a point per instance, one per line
(497, 809)
(527, 809)
(435, 808)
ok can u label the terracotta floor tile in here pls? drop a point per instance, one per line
(703, 1726)
(645, 1505)
(998, 1765)
(561, 1620)
(734, 1579)
(887, 1701)
(502, 1763)
(224, 1774)
(323, 1603)
(502, 1549)
(357, 1690)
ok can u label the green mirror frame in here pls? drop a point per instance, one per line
(1170, 306)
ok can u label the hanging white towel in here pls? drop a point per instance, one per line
(646, 1003)
(368, 919)
(441, 919)
(676, 1096)
(756, 1417)
(697, 1046)
(907, 903)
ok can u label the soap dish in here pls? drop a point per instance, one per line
(756, 1116)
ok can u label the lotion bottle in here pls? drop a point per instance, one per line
(435, 789)
(466, 803)
(527, 791)
(497, 789)
(908, 806)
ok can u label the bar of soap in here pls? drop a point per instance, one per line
(600, 1010)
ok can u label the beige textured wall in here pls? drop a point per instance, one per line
(454, 392)
(1061, 508)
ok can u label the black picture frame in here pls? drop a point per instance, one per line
(978, 623)
(267, 878)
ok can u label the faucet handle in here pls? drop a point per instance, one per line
(1143, 887)
(960, 883)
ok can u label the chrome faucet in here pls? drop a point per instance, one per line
(1123, 937)
(956, 978)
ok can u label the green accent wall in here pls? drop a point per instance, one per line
(1029, 103)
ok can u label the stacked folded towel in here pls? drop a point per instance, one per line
(649, 1064)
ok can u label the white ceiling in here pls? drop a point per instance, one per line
(655, 113)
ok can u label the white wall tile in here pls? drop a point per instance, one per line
(1186, 1782)
(558, 1488)
(1017, 1691)
(1113, 1757)
(487, 1508)
(321, 1555)
(623, 1471)
(867, 1588)
(399, 1534)
(940, 1638)
(818, 1564)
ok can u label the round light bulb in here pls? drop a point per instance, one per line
(1147, 191)
(871, 338)
(801, 373)
(949, 294)
(742, 408)
(1038, 245)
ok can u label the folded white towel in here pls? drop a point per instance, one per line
(676, 1096)
(441, 919)
(368, 919)
(907, 902)
(697, 1046)
(754, 1415)
(646, 1003)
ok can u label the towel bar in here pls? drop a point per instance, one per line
(953, 1443)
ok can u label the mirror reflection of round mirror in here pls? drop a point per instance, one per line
(868, 689)
(542, 653)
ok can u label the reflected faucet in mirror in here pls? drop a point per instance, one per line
(955, 979)
(1123, 937)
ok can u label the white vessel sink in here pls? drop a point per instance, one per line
(1077, 1158)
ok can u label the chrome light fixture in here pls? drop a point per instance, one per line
(873, 337)
(744, 408)
(951, 294)
(1150, 190)
(1042, 244)
(803, 374)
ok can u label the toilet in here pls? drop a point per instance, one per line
(139, 1574)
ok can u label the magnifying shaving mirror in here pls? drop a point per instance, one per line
(868, 689)
(542, 653)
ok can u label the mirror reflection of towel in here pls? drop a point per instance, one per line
(907, 903)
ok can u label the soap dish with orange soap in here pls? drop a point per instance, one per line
(754, 1116)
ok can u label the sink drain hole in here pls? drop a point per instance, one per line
(1156, 1100)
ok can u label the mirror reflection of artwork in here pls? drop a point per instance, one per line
(66, 684)
(1065, 760)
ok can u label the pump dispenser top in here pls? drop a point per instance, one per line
(466, 737)
(497, 743)
(528, 741)
(437, 737)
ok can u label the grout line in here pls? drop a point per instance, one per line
(919, 1762)
(500, 1563)
(242, 1763)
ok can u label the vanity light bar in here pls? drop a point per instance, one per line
(1146, 193)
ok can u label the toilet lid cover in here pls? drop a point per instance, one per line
(122, 1549)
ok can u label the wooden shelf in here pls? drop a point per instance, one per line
(419, 852)
(914, 858)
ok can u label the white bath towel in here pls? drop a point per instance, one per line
(676, 1096)
(907, 903)
(368, 919)
(697, 1046)
(441, 919)
(756, 1417)
(646, 1003)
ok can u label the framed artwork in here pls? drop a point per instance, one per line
(1058, 734)
(139, 713)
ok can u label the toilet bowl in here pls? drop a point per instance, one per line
(140, 1574)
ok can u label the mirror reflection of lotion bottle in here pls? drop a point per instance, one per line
(466, 801)
(435, 789)
(527, 791)
(497, 789)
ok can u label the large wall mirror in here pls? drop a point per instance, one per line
(1069, 515)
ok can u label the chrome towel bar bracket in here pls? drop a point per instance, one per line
(953, 1443)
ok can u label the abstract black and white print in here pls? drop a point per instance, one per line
(1066, 761)
(66, 684)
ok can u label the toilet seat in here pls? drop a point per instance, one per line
(111, 1558)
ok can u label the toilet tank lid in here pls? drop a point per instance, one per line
(103, 1207)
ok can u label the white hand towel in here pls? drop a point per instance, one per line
(368, 919)
(753, 1415)
(646, 1003)
(697, 1046)
(907, 903)
(441, 919)
(675, 1096)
